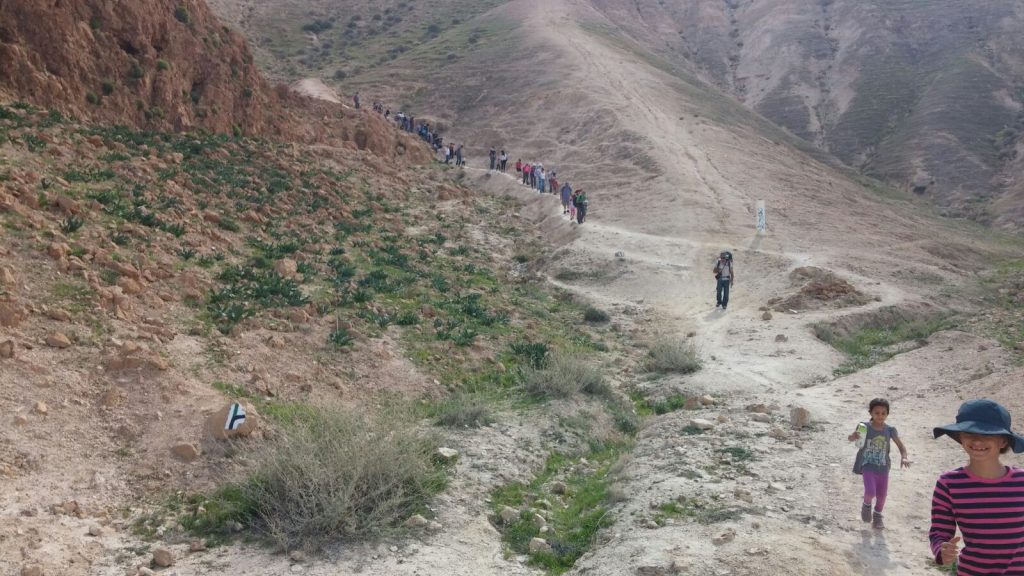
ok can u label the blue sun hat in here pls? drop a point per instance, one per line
(982, 417)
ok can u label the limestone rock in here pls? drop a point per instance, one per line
(7, 349)
(766, 316)
(297, 556)
(286, 267)
(95, 530)
(508, 515)
(416, 521)
(558, 487)
(759, 417)
(539, 545)
(702, 424)
(707, 400)
(58, 250)
(781, 338)
(129, 286)
(657, 570)
(163, 558)
(197, 545)
(800, 417)
(724, 537)
(538, 521)
(58, 315)
(7, 277)
(32, 570)
(447, 455)
(12, 314)
(40, 408)
(20, 420)
(58, 340)
(186, 451)
(133, 356)
(216, 424)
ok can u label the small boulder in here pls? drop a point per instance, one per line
(707, 400)
(186, 451)
(416, 521)
(40, 408)
(508, 515)
(95, 530)
(7, 349)
(20, 420)
(702, 424)
(163, 558)
(538, 521)
(129, 286)
(58, 340)
(800, 417)
(760, 417)
(32, 570)
(217, 423)
(539, 545)
(7, 277)
(724, 537)
(58, 315)
(766, 316)
(197, 545)
(558, 487)
(447, 455)
(781, 338)
(286, 267)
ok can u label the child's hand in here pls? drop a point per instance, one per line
(854, 436)
(950, 550)
(905, 462)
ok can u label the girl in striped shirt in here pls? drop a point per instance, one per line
(984, 499)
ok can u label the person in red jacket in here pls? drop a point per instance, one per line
(526, 173)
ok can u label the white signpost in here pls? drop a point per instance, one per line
(762, 219)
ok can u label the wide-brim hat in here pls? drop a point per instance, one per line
(982, 417)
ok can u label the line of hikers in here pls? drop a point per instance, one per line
(574, 202)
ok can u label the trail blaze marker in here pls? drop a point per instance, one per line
(236, 417)
(762, 219)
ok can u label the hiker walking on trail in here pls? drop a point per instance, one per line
(553, 184)
(984, 499)
(533, 174)
(459, 161)
(519, 166)
(502, 161)
(540, 179)
(493, 156)
(725, 274)
(355, 100)
(872, 461)
(566, 192)
(581, 206)
(526, 174)
(572, 206)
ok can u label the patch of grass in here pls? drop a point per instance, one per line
(340, 338)
(595, 315)
(879, 340)
(463, 411)
(574, 518)
(565, 375)
(698, 510)
(646, 407)
(670, 355)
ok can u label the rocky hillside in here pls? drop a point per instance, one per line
(925, 95)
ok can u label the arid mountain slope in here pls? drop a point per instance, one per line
(923, 95)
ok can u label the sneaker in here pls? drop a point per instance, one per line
(876, 521)
(865, 512)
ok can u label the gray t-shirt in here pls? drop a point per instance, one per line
(874, 456)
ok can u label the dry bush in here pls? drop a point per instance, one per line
(463, 411)
(565, 375)
(672, 355)
(336, 475)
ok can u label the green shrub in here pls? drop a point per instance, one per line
(107, 87)
(535, 353)
(565, 375)
(181, 15)
(671, 355)
(336, 475)
(339, 338)
(595, 315)
(92, 98)
(162, 65)
(71, 224)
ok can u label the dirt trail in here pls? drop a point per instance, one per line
(799, 499)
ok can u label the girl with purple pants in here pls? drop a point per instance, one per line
(873, 460)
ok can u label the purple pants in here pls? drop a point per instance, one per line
(876, 486)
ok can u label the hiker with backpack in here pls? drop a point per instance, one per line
(725, 275)
(566, 192)
(526, 174)
(493, 156)
(502, 161)
(581, 207)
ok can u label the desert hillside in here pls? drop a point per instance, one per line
(441, 374)
(922, 95)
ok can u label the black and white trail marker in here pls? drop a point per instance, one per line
(236, 417)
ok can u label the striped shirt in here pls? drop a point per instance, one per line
(990, 515)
